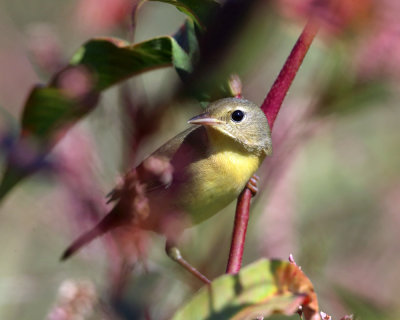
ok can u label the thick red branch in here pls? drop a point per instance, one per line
(271, 107)
(273, 102)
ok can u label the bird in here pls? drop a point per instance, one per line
(191, 177)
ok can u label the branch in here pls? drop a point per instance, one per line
(271, 106)
(273, 102)
(239, 232)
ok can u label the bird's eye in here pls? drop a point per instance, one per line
(237, 115)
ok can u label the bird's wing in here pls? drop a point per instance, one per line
(166, 166)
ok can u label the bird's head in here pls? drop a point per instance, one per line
(239, 119)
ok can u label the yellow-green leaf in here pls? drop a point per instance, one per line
(263, 288)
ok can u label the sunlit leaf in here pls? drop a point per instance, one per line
(263, 288)
(106, 62)
(114, 60)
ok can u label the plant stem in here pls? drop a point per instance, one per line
(271, 106)
(273, 102)
(239, 232)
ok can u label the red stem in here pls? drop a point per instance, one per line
(273, 102)
(271, 107)
(239, 232)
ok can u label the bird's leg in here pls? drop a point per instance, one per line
(174, 253)
(252, 184)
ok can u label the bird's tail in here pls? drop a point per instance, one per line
(109, 222)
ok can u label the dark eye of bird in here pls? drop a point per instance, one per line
(237, 115)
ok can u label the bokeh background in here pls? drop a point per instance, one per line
(330, 192)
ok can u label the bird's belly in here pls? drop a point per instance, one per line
(215, 182)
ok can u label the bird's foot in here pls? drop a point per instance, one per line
(252, 184)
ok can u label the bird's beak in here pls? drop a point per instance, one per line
(204, 119)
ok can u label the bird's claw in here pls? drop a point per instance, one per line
(252, 184)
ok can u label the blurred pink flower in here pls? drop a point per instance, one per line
(75, 301)
(371, 27)
(336, 16)
(379, 52)
(102, 15)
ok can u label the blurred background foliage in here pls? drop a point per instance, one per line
(331, 191)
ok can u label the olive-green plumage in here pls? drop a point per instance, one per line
(211, 163)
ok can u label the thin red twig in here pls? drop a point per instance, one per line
(271, 107)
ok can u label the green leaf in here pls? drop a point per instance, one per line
(74, 91)
(263, 288)
(102, 63)
(200, 11)
(187, 53)
(45, 110)
(113, 60)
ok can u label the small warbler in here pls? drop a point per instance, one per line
(192, 176)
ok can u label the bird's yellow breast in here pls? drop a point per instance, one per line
(217, 179)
